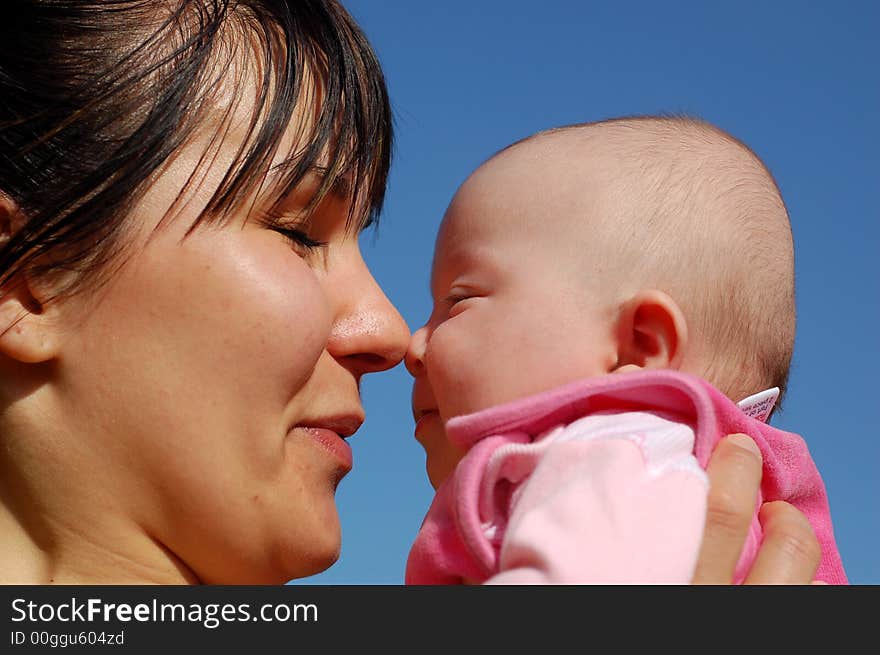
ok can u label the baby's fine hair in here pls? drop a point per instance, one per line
(702, 218)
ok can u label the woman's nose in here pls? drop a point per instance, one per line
(369, 334)
(415, 354)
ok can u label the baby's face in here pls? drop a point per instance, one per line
(511, 315)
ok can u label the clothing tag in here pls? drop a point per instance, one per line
(760, 405)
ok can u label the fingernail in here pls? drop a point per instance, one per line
(743, 441)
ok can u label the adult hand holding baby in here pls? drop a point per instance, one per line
(790, 551)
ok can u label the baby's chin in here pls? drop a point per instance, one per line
(440, 465)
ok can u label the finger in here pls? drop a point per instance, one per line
(790, 552)
(734, 480)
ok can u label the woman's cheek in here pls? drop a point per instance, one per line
(295, 316)
(308, 322)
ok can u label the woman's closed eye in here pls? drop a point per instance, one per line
(296, 233)
(298, 237)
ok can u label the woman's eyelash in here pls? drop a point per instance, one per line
(299, 238)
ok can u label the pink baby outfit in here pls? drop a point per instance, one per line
(602, 482)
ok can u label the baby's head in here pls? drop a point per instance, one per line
(627, 244)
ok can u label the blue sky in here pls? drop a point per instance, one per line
(796, 80)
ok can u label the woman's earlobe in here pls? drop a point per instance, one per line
(27, 334)
(651, 332)
(26, 330)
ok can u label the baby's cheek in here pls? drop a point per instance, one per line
(450, 362)
(475, 372)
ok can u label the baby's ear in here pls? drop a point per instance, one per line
(27, 333)
(651, 332)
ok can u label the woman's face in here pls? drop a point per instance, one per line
(215, 379)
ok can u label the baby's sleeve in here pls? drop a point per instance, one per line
(614, 499)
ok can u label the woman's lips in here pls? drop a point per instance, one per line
(332, 443)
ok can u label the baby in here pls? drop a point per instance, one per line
(656, 247)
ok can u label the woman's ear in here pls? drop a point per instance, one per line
(651, 332)
(27, 333)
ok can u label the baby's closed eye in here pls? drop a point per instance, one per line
(458, 301)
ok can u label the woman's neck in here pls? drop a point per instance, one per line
(63, 554)
(53, 544)
(58, 524)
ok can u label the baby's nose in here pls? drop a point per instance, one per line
(415, 353)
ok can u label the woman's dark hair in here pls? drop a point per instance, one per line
(96, 95)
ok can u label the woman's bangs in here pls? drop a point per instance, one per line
(323, 89)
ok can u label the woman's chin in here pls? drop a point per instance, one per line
(304, 564)
(299, 552)
(312, 552)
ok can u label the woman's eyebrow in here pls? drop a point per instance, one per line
(340, 188)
